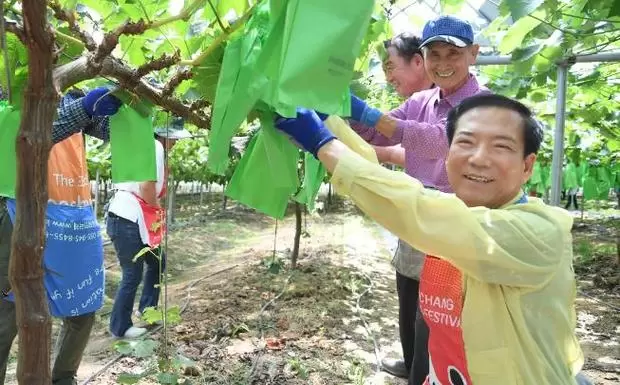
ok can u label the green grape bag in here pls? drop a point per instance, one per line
(570, 179)
(9, 127)
(322, 39)
(266, 175)
(132, 147)
(244, 80)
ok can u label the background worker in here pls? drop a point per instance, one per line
(135, 221)
(418, 125)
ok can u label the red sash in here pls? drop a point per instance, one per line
(441, 303)
(154, 217)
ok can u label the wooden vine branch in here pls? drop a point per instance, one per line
(110, 40)
(174, 82)
(68, 16)
(114, 68)
(162, 62)
(169, 103)
(199, 104)
(79, 70)
(15, 29)
(33, 145)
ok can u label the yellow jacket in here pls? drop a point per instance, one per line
(516, 316)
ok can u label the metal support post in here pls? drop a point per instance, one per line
(592, 58)
(558, 137)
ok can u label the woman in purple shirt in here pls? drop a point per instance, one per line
(418, 125)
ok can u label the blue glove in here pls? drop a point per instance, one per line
(322, 116)
(307, 129)
(96, 104)
(363, 113)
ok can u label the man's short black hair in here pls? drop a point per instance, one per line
(406, 44)
(532, 130)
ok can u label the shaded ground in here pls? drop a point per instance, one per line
(248, 320)
(598, 303)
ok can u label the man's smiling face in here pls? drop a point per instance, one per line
(486, 164)
(447, 65)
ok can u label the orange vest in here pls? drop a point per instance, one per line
(68, 182)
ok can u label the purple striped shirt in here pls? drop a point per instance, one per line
(421, 131)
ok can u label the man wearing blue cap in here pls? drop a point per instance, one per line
(418, 125)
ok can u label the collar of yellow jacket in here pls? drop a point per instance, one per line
(513, 200)
(560, 216)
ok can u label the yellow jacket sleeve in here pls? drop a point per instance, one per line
(519, 245)
(346, 135)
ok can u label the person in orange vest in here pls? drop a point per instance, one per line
(73, 255)
(135, 221)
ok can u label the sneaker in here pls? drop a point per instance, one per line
(134, 332)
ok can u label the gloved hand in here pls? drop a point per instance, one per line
(96, 104)
(307, 129)
(363, 113)
(321, 115)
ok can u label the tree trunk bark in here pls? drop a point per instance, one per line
(32, 150)
(295, 253)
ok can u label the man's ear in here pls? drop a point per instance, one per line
(418, 60)
(528, 166)
(473, 51)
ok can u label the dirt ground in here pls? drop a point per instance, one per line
(247, 319)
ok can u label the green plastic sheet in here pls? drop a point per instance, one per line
(132, 147)
(241, 83)
(9, 127)
(541, 177)
(536, 180)
(266, 176)
(596, 183)
(570, 178)
(291, 53)
(322, 40)
(314, 173)
(605, 183)
(590, 187)
(220, 136)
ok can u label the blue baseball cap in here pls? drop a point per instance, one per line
(448, 29)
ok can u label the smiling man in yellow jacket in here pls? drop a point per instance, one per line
(497, 289)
